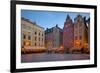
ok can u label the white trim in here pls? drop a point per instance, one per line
(50, 64)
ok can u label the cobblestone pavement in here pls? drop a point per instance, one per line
(44, 57)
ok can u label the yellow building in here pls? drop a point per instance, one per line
(32, 36)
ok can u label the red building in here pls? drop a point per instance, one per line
(68, 34)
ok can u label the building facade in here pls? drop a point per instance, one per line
(80, 33)
(53, 38)
(32, 35)
(87, 31)
(68, 34)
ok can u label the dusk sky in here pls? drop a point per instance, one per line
(48, 19)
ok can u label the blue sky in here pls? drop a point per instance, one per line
(48, 19)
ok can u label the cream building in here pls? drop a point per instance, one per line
(32, 35)
(80, 33)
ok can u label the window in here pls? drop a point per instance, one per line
(80, 37)
(39, 33)
(29, 37)
(24, 36)
(35, 38)
(35, 44)
(35, 32)
(42, 34)
(39, 39)
(24, 43)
